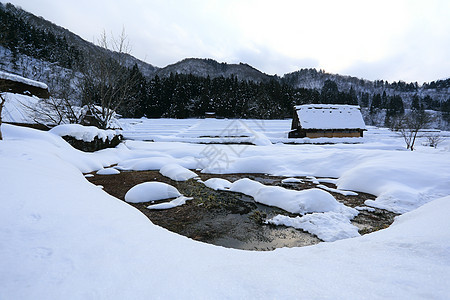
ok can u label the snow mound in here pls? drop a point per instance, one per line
(246, 186)
(151, 191)
(84, 133)
(329, 226)
(177, 172)
(108, 171)
(261, 140)
(217, 183)
(299, 202)
(181, 200)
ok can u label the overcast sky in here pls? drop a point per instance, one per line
(385, 39)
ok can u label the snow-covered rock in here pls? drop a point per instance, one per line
(218, 183)
(151, 191)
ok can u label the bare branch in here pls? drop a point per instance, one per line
(409, 126)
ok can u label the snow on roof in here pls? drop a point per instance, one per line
(17, 78)
(17, 108)
(330, 116)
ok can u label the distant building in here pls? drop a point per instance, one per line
(16, 84)
(210, 115)
(327, 120)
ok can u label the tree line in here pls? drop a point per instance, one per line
(188, 96)
(109, 83)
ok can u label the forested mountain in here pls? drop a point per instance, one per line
(33, 47)
(213, 69)
(24, 33)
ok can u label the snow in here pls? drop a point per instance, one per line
(299, 202)
(329, 227)
(330, 116)
(327, 180)
(345, 193)
(151, 191)
(177, 172)
(17, 108)
(217, 183)
(108, 171)
(292, 180)
(17, 78)
(60, 234)
(84, 133)
(181, 200)
(370, 209)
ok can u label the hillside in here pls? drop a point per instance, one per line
(22, 29)
(35, 48)
(213, 69)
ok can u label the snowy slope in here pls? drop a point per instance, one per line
(63, 237)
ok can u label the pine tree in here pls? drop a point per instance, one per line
(330, 92)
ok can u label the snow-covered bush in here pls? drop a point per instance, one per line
(88, 138)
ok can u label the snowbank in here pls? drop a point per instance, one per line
(155, 161)
(151, 191)
(58, 232)
(298, 202)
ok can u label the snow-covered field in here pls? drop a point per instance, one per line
(62, 237)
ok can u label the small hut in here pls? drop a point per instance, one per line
(210, 115)
(327, 120)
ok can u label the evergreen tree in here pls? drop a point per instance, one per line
(376, 103)
(330, 92)
(415, 103)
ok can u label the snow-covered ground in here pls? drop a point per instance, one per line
(62, 237)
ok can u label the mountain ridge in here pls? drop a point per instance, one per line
(204, 67)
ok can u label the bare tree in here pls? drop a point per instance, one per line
(108, 83)
(4, 87)
(410, 124)
(57, 109)
(435, 139)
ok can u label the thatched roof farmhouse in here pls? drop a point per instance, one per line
(327, 120)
